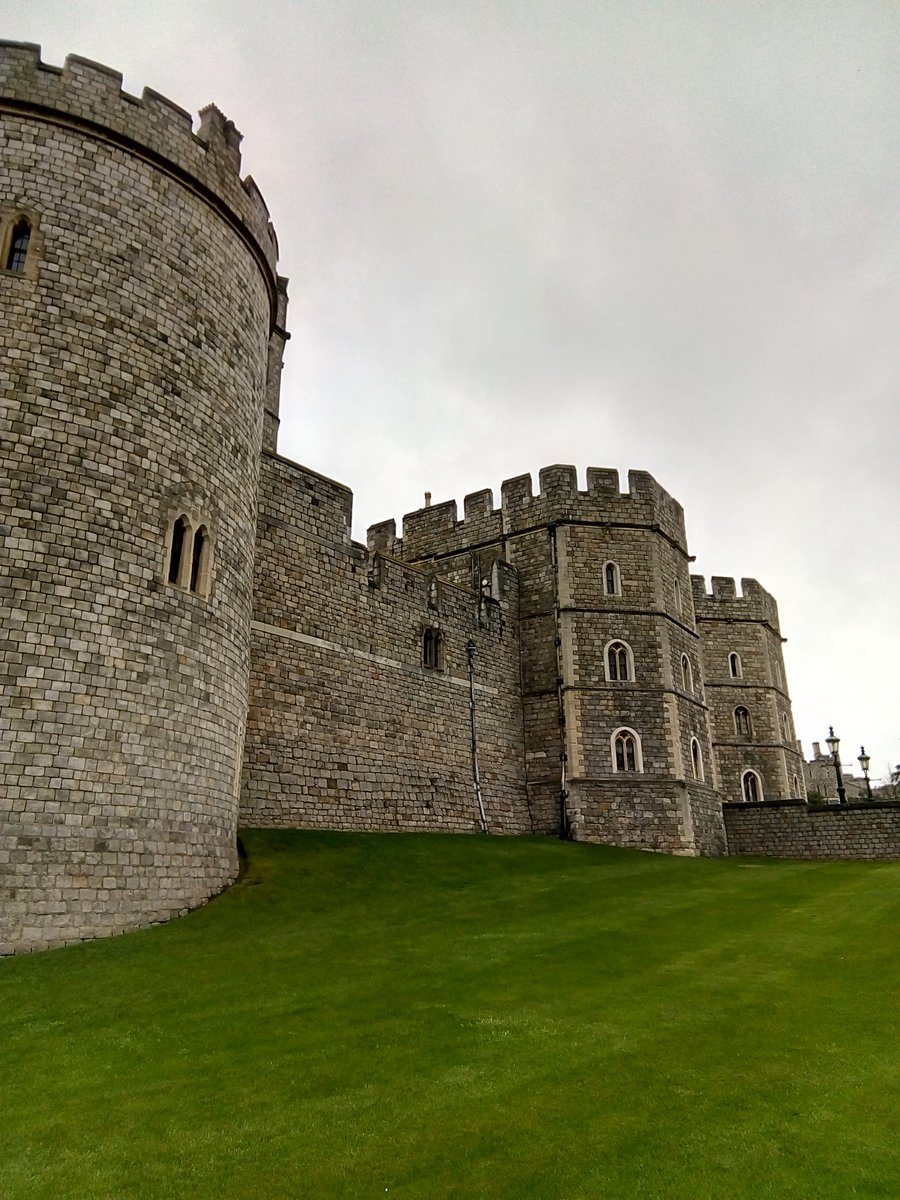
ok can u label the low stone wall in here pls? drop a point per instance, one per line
(794, 829)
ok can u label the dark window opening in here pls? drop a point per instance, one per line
(626, 752)
(750, 784)
(198, 560)
(617, 662)
(432, 649)
(742, 725)
(18, 246)
(179, 529)
(696, 759)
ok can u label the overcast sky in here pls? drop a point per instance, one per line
(662, 236)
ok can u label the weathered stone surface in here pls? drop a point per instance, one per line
(188, 626)
(792, 829)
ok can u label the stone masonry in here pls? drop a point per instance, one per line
(133, 379)
(191, 636)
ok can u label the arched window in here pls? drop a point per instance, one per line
(742, 725)
(734, 665)
(626, 751)
(796, 793)
(696, 759)
(785, 726)
(751, 787)
(432, 649)
(190, 556)
(18, 246)
(687, 675)
(619, 662)
(677, 591)
(612, 582)
(180, 531)
(200, 562)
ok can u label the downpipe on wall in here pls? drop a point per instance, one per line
(476, 776)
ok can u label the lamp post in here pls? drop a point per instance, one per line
(864, 761)
(833, 744)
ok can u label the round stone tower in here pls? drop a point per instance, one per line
(138, 298)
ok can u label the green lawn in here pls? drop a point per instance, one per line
(435, 1017)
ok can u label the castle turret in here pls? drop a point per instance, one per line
(617, 737)
(140, 308)
(752, 722)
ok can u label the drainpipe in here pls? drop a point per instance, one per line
(476, 777)
(564, 828)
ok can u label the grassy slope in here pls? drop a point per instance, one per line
(446, 1017)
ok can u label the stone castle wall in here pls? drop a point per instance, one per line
(131, 391)
(348, 727)
(747, 626)
(793, 829)
(560, 542)
(327, 683)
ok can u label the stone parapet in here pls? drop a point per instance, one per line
(89, 96)
(436, 530)
(724, 604)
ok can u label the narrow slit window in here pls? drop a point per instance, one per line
(179, 535)
(734, 665)
(200, 561)
(18, 246)
(696, 759)
(611, 579)
(687, 675)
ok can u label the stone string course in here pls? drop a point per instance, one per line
(140, 360)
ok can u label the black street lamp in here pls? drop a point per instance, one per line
(833, 744)
(864, 761)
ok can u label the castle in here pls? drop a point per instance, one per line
(193, 640)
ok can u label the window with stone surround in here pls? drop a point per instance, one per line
(177, 545)
(432, 649)
(199, 581)
(19, 243)
(618, 662)
(625, 745)
(734, 665)
(612, 579)
(751, 787)
(785, 727)
(677, 592)
(687, 674)
(189, 555)
(743, 726)
(20, 236)
(795, 782)
(696, 759)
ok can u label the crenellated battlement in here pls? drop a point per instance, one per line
(724, 604)
(438, 530)
(89, 96)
